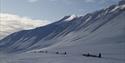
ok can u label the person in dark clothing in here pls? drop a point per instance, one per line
(100, 55)
(57, 52)
(88, 54)
(65, 53)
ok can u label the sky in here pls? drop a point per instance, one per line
(52, 10)
(16, 15)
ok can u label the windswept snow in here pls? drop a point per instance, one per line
(118, 7)
(122, 6)
(70, 18)
(114, 9)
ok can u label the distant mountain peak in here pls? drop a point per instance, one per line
(71, 17)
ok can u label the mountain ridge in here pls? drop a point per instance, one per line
(51, 34)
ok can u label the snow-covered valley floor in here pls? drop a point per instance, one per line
(109, 55)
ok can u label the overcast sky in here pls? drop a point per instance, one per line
(52, 10)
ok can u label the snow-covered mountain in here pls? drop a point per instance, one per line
(102, 31)
(104, 24)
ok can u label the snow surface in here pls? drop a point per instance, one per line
(123, 6)
(70, 18)
(105, 34)
(117, 7)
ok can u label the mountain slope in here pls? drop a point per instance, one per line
(98, 32)
(66, 31)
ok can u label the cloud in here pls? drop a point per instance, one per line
(10, 23)
(32, 1)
